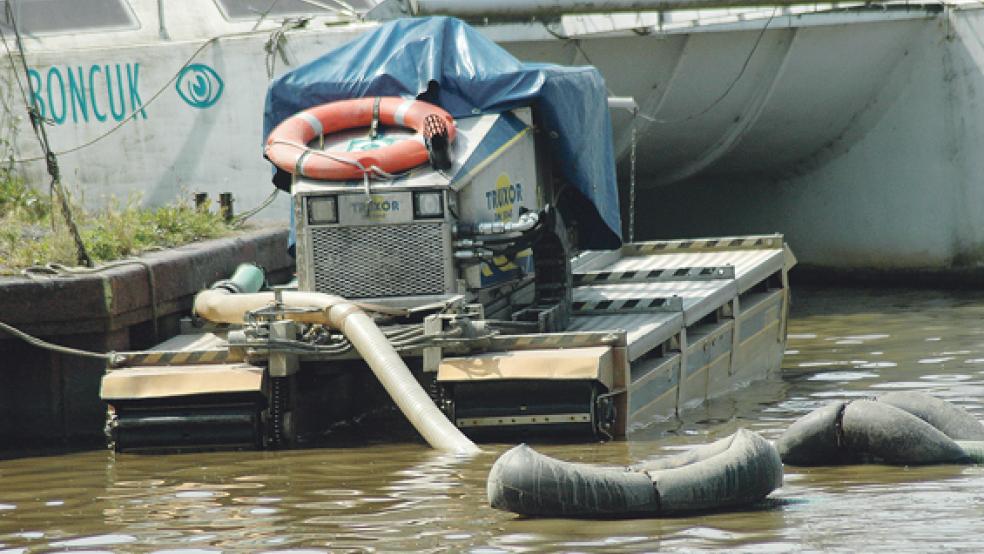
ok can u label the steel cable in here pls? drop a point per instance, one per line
(110, 357)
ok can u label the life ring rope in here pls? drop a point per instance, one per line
(287, 148)
(366, 171)
(307, 151)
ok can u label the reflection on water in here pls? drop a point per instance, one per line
(401, 497)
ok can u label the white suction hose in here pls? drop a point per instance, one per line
(220, 306)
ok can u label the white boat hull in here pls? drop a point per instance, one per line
(855, 134)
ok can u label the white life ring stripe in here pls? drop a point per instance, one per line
(299, 166)
(315, 124)
(401, 112)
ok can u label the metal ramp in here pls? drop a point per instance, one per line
(696, 314)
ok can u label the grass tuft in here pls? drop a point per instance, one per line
(33, 232)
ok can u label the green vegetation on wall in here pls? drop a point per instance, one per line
(32, 231)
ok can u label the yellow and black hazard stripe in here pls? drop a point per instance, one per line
(627, 305)
(696, 273)
(754, 242)
(176, 357)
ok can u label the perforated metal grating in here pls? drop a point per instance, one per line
(379, 260)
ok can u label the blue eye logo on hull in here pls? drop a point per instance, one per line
(199, 85)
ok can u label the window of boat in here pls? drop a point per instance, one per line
(64, 16)
(273, 9)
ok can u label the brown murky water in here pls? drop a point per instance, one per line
(403, 497)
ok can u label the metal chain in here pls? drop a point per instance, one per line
(632, 183)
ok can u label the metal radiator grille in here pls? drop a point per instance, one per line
(379, 260)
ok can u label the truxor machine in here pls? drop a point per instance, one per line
(440, 257)
(470, 277)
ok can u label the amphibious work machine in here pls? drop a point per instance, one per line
(440, 255)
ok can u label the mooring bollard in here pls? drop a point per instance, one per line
(201, 201)
(225, 206)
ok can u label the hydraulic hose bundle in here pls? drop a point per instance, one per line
(484, 240)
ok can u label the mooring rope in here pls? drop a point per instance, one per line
(136, 111)
(51, 155)
(59, 269)
(730, 87)
(38, 123)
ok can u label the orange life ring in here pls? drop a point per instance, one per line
(286, 147)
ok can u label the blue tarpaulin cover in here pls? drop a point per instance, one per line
(473, 76)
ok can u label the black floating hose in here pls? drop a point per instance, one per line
(738, 470)
(526, 482)
(953, 421)
(899, 429)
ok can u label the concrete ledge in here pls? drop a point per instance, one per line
(121, 296)
(51, 400)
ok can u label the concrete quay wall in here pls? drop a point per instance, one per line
(52, 399)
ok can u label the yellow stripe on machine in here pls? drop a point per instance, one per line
(166, 381)
(503, 263)
(488, 159)
(589, 363)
